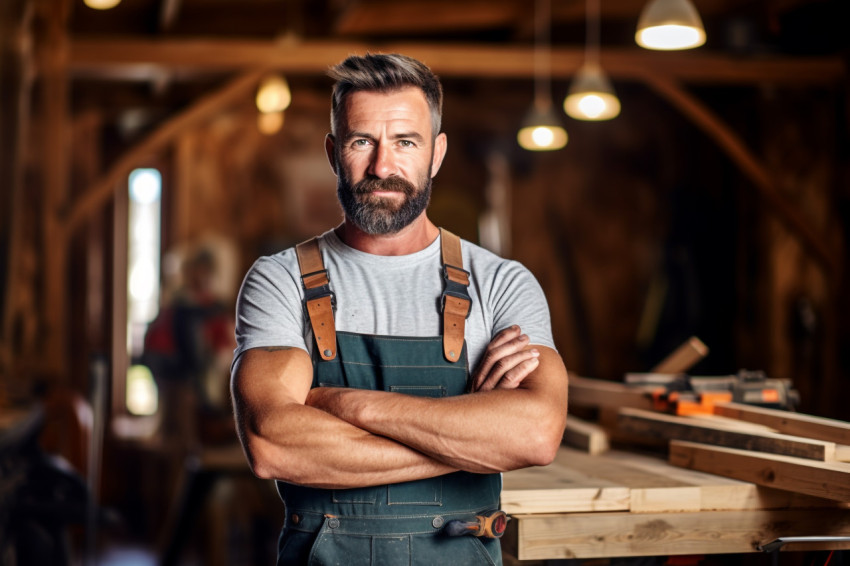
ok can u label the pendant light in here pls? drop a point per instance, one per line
(591, 96)
(101, 4)
(273, 94)
(541, 129)
(273, 97)
(669, 25)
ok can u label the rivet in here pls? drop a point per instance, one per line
(295, 519)
(437, 522)
(328, 353)
(452, 354)
(333, 523)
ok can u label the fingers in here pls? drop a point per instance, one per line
(506, 361)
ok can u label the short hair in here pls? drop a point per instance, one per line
(380, 72)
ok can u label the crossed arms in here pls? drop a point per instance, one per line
(340, 438)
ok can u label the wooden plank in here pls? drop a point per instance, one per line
(797, 424)
(601, 393)
(143, 57)
(683, 358)
(605, 535)
(718, 493)
(830, 480)
(670, 427)
(585, 436)
(649, 491)
(556, 488)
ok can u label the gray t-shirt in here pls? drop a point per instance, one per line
(388, 295)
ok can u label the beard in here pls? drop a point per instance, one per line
(378, 215)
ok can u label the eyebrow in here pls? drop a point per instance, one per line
(416, 136)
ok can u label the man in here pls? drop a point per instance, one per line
(350, 379)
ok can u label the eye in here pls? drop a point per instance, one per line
(362, 142)
(406, 143)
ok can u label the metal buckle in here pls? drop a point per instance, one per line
(454, 289)
(313, 293)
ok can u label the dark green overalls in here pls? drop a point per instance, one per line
(396, 524)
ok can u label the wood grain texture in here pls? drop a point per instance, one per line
(830, 480)
(600, 535)
(791, 423)
(722, 433)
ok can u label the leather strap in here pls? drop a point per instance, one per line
(456, 302)
(318, 297)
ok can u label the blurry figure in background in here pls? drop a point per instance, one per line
(188, 348)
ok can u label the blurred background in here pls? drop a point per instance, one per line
(151, 150)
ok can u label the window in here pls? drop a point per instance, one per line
(143, 288)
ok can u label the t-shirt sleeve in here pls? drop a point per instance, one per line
(517, 298)
(269, 308)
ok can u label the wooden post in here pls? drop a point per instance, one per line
(16, 75)
(54, 85)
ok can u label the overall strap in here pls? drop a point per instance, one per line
(456, 302)
(319, 300)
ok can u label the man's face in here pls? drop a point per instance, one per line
(385, 158)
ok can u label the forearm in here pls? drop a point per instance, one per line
(491, 431)
(324, 451)
(286, 440)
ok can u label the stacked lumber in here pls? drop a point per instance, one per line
(622, 503)
(769, 447)
(732, 481)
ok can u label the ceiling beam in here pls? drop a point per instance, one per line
(140, 57)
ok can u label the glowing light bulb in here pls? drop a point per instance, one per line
(273, 95)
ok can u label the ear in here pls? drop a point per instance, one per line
(330, 143)
(440, 146)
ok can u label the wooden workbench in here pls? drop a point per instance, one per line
(621, 504)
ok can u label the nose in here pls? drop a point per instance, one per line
(383, 163)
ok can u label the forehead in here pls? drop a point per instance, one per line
(405, 107)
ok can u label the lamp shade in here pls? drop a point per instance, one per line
(670, 25)
(542, 131)
(101, 4)
(591, 96)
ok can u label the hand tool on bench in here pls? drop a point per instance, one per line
(489, 525)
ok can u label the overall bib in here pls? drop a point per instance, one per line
(396, 524)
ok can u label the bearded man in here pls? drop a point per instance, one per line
(351, 378)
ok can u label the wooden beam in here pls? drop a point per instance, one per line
(682, 358)
(101, 190)
(17, 70)
(589, 437)
(797, 424)
(602, 535)
(56, 178)
(830, 480)
(141, 56)
(361, 18)
(589, 392)
(658, 425)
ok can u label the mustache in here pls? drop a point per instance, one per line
(392, 184)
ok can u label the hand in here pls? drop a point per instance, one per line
(506, 362)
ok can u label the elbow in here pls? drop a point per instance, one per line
(543, 452)
(260, 464)
(544, 444)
